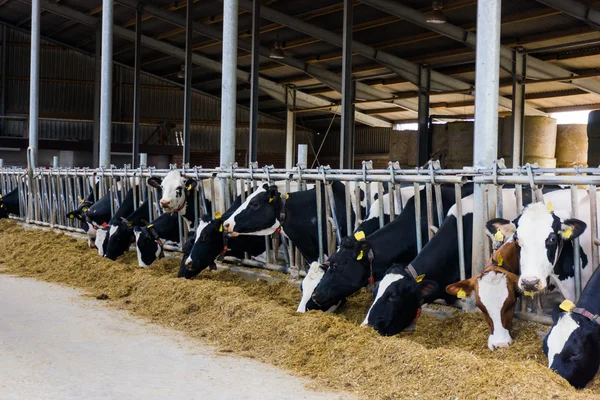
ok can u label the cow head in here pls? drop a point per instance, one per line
(120, 236)
(572, 347)
(258, 215)
(80, 214)
(101, 241)
(147, 245)
(309, 283)
(3, 209)
(539, 233)
(495, 293)
(347, 271)
(209, 243)
(175, 189)
(398, 300)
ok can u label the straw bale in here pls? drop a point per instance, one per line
(540, 137)
(572, 145)
(460, 142)
(443, 359)
(403, 147)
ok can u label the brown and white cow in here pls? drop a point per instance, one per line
(495, 293)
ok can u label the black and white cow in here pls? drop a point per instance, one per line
(123, 211)
(211, 241)
(360, 260)
(96, 217)
(573, 344)
(265, 211)
(545, 239)
(400, 294)
(149, 239)
(9, 204)
(120, 232)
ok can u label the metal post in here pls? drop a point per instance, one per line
(228, 85)
(187, 96)
(143, 160)
(106, 83)
(418, 232)
(593, 225)
(303, 154)
(34, 82)
(253, 134)
(485, 148)
(346, 136)
(55, 162)
(289, 139)
(424, 140)
(518, 105)
(3, 64)
(137, 76)
(97, 75)
(576, 249)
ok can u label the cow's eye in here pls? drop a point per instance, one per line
(575, 356)
(254, 205)
(551, 239)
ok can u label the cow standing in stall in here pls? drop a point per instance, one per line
(9, 203)
(149, 239)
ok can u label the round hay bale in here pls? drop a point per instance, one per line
(540, 137)
(460, 142)
(571, 145)
(439, 140)
(505, 138)
(399, 146)
(412, 148)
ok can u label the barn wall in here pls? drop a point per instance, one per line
(67, 96)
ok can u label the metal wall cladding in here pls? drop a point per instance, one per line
(54, 130)
(368, 141)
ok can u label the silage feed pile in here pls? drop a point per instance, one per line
(443, 359)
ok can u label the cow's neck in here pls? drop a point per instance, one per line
(590, 298)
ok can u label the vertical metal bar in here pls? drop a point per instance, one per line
(319, 219)
(418, 217)
(346, 137)
(229, 82)
(381, 205)
(459, 231)
(499, 202)
(289, 138)
(97, 79)
(439, 204)
(576, 250)
(34, 82)
(593, 225)
(137, 81)
(3, 64)
(187, 91)
(338, 232)
(518, 105)
(358, 220)
(392, 200)
(429, 205)
(347, 192)
(519, 197)
(485, 148)
(106, 83)
(424, 141)
(253, 134)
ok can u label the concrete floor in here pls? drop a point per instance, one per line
(55, 344)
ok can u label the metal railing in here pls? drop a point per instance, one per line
(47, 195)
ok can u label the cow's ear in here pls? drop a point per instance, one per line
(273, 191)
(572, 228)
(428, 290)
(190, 184)
(266, 187)
(154, 181)
(500, 228)
(461, 289)
(361, 250)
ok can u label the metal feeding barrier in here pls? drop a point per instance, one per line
(46, 196)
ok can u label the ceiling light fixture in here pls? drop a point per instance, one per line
(436, 16)
(181, 73)
(276, 51)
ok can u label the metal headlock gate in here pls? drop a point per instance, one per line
(47, 195)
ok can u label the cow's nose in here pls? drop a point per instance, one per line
(226, 225)
(188, 262)
(530, 283)
(165, 203)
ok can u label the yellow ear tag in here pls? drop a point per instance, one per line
(80, 200)
(420, 278)
(529, 294)
(550, 206)
(71, 216)
(271, 199)
(129, 223)
(149, 225)
(84, 209)
(567, 305)
(567, 233)
(190, 187)
(461, 294)
(500, 260)
(220, 228)
(218, 215)
(287, 196)
(499, 236)
(360, 235)
(360, 255)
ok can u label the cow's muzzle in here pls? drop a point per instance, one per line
(530, 284)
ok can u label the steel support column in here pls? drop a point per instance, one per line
(518, 109)
(137, 76)
(289, 138)
(34, 81)
(485, 148)
(229, 82)
(106, 83)
(3, 65)
(97, 75)
(189, 66)
(253, 134)
(424, 142)
(346, 128)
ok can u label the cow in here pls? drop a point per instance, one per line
(362, 259)
(103, 233)
(211, 241)
(573, 344)
(97, 216)
(439, 263)
(547, 252)
(149, 239)
(9, 203)
(495, 293)
(120, 231)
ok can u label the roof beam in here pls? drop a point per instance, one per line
(272, 88)
(577, 10)
(543, 69)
